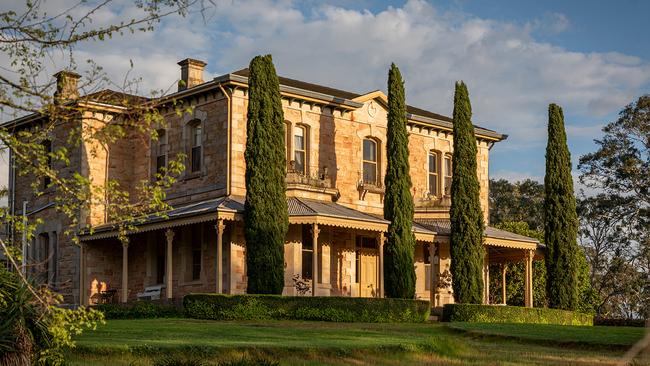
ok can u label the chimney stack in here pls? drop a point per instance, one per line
(191, 73)
(66, 86)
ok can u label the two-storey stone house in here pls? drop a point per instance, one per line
(336, 154)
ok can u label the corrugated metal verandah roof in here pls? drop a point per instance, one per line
(443, 227)
(297, 207)
(231, 204)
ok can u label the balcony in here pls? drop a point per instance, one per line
(320, 183)
(434, 202)
(365, 186)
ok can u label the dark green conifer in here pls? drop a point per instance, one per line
(399, 272)
(467, 251)
(266, 215)
(560, 217)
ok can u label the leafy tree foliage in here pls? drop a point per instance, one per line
(266, 218)
(399, 270)
(607, 236)
(521, 201)
(588, 299)
(620, 168)
(465, 214)
(515, 271)
(35, 39)
(33, 330)
(560, 217)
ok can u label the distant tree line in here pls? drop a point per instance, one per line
(614, 221)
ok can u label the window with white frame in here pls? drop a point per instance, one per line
(161, 153)
(196, 150)
(300, 149)
(447, 175)
(370, 161)
(433, 173)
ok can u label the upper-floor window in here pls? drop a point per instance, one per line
(370, 161)
(47, 148)
(433, 173)
(300, 149)
(196, 139)
(447, 174)
(161, 153)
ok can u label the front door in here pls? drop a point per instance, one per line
(368, 283)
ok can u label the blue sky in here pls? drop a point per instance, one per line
(516, 57)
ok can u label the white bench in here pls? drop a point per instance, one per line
(151, 293)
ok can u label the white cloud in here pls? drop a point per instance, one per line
(511, 76)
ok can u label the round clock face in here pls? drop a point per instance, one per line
(372, 109)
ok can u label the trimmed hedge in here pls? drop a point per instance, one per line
(512, 314)
(333, 309)
(140, 310)
(620, 322)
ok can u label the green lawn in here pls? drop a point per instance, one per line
(595, 336)
(140, 342)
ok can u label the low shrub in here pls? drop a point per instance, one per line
(619, 322)
(177, 361)
(140, 310)
(334, 309)
(512, 314)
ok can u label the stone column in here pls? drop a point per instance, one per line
(125, 269)
(528, 287)
(219, 278)
(486, 278)
(503, 283)
(432, 274)
(169, 265)
(382, 239)
(314, 261)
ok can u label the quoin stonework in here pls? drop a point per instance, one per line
(336, 146)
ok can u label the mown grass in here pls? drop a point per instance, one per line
(620, 337)
(141, 342)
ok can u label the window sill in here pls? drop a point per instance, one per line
(195, 175)
(192, 283)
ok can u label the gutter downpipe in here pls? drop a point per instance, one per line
(12, 186)
(229, 133)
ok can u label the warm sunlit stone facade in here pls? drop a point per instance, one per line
(336, 146)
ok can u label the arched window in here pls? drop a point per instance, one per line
(447, 174)
(287, 140)
(196, 139)
(161, 153)
(370, 161)
(433, 173)
(300, 149)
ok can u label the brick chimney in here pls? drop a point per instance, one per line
(191, 73)
(66, 86)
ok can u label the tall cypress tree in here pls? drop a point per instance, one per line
(467, 251)
(560, 217)
(266, 216)
(399, 272)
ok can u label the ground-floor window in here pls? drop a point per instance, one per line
(427, 266)
(307, 252)
(196, 260)
(160, 267)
